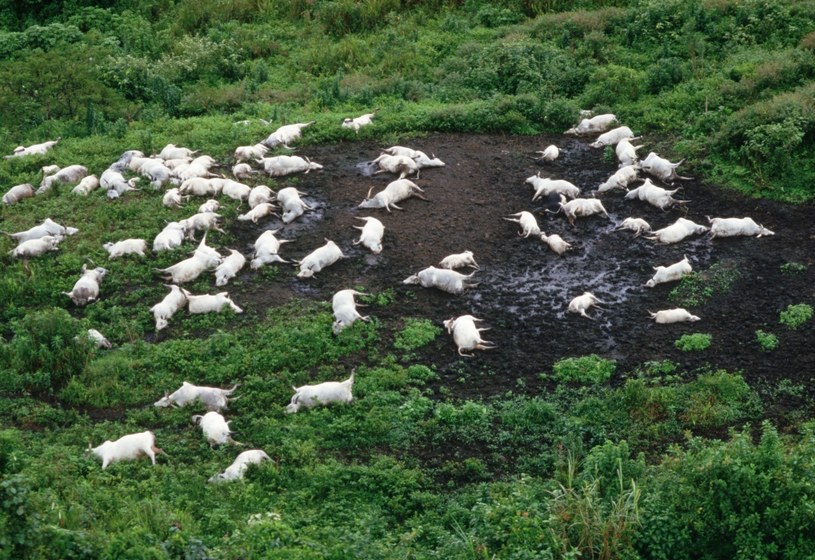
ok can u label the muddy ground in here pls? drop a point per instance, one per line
(524, 288)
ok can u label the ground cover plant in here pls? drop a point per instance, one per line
(571, 438)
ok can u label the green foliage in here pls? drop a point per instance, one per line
(695, 342)
(795, 316)
(587, 370)
(415, 334)
(793, 268)
(766, 340)
(696, 288)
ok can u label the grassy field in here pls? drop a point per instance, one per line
(592, 469)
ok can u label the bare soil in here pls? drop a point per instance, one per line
(523, 288)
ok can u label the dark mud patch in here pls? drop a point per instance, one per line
(524, 288)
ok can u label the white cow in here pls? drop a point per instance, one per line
(544, 186)
(210, 206)
(127, 448)
(528, 223)
(668, 316)
(240, 465)
(17, 193)
(279, 166)
(70, 174)
(396, 191)
(286, 134)
(731, 227)
(623, 177)
(551, 153)
(445, 280)
(291, 204)
(670, 273)
(210, 303)
(21, 151)
(556, 243)
(626, 152)
(459, 260)
(422, 159)
(308, 396)
(86, 289)
(677, 231)
(466, 335)
(583, 302)
(598, 123)
(35, 247)
(167, 307)
(654, 195)
(215, 427)
(125, 247)
(259, 195)
(47, 227)
(170, 237)
(637, 225)
(266, 248)
(244, 171)
(98, 339)
(399, 165)
(583, 207)
(212, 398)
(246, 153)
(318, 259)
(356, 123)
(612, 137)
(229, 268)
(86, 186)
(371, 234)
(172, 199)
(258, 212)
(345, 310)
(661, 168)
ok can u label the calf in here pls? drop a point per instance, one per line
(396, 191)
(243, 171)
(239, 466)
(21, 151)
(678, 315)
(551, 153)
(259, 195)
(731, 227)
(308, 396)
(291, 204)
(445, 280)
(556, 243)
(637, 225)
(466, 335)
(126, 247)
(422, 159)
(70, 174)
(318, 259)
(127, 448)
(527, 221)
(167, 307)
(209, 303)
(212, 398)
(229, 268)
(172, 199)
(654, 195)
(98, 339)
(583, 302)
(215, 427)
(171, 151)
(86, 289)
(258, 212)
(247, 153)
(266, 248)
(233, 189)
(210, 206)
(191, 268)
(203, 221)
(670, 273)
(371, 234)
(626, 152)
(47, 227)
(345, 310)
(200, 186)
(459, 260)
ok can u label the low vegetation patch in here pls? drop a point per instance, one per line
(587, 370)
(795, 316)
(695, 342)
(767, 341)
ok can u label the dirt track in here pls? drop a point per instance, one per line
(524, 288)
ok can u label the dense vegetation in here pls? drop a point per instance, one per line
(591, 469)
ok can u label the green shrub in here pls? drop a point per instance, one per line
(766, 340)
(696, 288)
(695, 342)
(588, 370)
(794, 316)
(793, 268)
(717, 399)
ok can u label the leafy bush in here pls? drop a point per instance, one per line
(696, 288)
(695, 342)
(795, 315)
(587, 370)
(766, 340)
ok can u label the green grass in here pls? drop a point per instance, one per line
(695, 342)
(795, 315)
